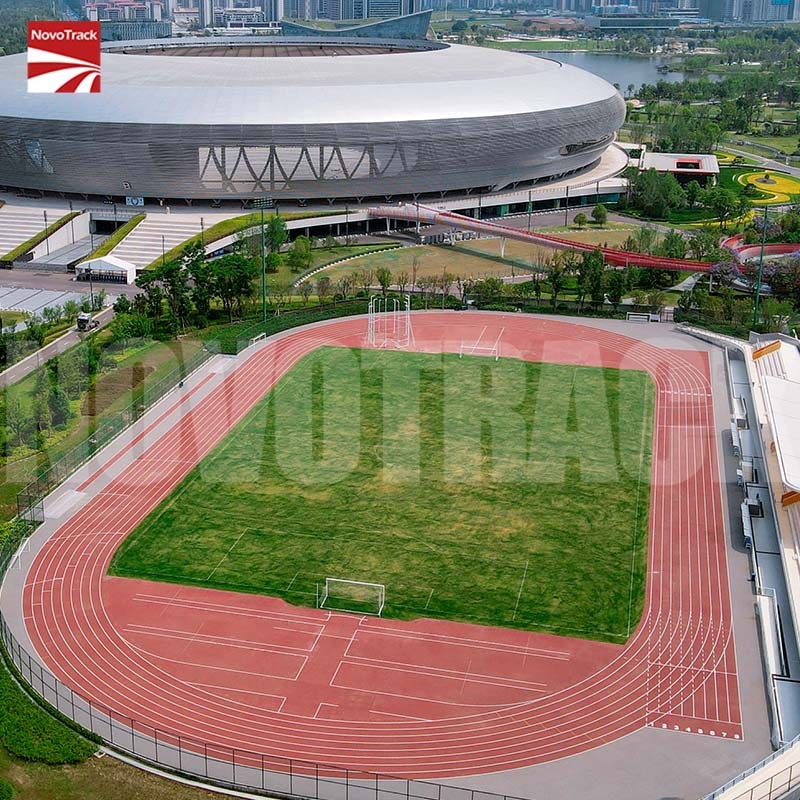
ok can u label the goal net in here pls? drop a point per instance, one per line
(357, 597)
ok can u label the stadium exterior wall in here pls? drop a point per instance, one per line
(196, 161)
(198, 152)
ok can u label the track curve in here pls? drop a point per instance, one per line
(677, 670)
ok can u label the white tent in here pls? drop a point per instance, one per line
(106, 268)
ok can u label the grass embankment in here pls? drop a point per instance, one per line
(126, 373)
(21, 249)
(505, 493)
(230, 226)
(477, 258)
(44, 759)
(119, 234)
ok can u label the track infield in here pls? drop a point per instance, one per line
(422, 698)
(505, 492)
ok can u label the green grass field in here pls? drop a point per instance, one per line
(505, 493)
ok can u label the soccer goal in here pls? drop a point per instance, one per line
(482, 347)
(356, 597)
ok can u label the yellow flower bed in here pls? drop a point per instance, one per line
(783, 189)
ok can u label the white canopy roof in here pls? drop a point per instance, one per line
(108, 265)
(783, 406)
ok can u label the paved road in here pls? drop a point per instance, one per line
(30, 278)
(27, 365)
(763, 161)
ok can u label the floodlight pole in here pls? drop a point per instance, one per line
(263, 271)
(262, 203)
(760, 269)
(530, 208)
(566, 209)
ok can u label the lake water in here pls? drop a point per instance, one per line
(621, 69)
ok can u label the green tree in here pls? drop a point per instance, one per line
(275, 232)
(58, 405)
(581, 219)
(232, 279)
(384, 277)
(301, 254)
(694, 193)
(721, 202)
(615, 286)
(323, 288)
(600, 214)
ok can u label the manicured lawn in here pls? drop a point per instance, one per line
(504, 493)
(477, 258)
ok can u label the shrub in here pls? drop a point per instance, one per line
(6, 790)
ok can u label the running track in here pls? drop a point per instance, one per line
(423, 699)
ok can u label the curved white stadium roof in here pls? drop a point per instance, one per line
(452, 82)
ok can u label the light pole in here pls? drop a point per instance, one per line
(530, 208)
(566, 209)
(71, 222)
(261, 203)
(91, 288)
(760, 269)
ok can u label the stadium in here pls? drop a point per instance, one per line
(300, 119)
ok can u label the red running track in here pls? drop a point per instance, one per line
(422, 699)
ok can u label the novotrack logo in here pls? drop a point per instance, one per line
(63, 57)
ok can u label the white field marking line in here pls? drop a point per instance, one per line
(406, 717)
(692, 669)
(194, 640)
(521, 584)
(454, 675)
(429, 600)
(221, 608)
(313, 645)
(241, 691)
(477, 341)
(214, 639)
(462, 641)
(319, 708)
(638, 502)
(217, 668)
(292, 581)
(434, 672)
(430, 699)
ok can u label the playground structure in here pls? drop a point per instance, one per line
(414, 212)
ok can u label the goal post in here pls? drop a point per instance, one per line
(355, 597)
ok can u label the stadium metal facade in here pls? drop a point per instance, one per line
(305, 119)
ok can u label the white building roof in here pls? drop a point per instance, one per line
(682, 163)
(783, 407)
(456, 81)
